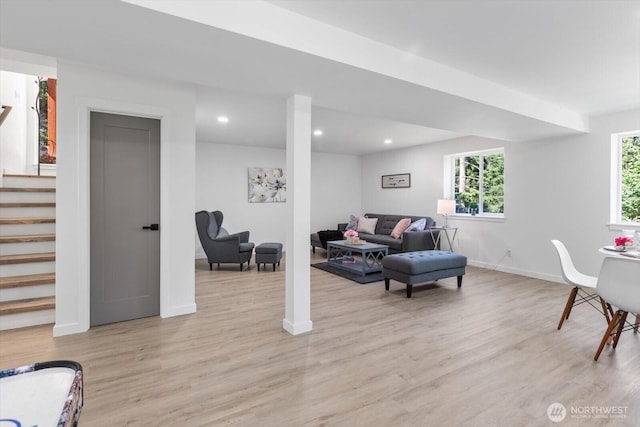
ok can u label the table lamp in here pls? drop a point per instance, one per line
(446, 208)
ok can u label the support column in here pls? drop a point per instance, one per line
(297, 318)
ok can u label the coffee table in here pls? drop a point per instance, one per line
(370, 261)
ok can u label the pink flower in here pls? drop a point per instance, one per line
(623, 241)
(351, 233)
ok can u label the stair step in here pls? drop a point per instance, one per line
(25, 320)
(10, 270)
(23, 248)
(27, 197)
(24, 229)
(28, 238)
(27, 212)
(27, 305)
(27, 190)
(27, 280)
(30, 220)
(28, 205)
(21, 259)
(28, 181)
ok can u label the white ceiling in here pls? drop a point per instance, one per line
(580, 55)
(530, 69)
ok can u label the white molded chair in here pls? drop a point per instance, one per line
(619, 285)
(584, 287)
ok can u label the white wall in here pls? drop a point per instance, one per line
(18, 91)
(221, 184)
(554, 188)
(81, 90)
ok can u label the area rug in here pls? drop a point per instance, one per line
(369, 278)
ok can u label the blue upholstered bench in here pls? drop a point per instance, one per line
(422, 266)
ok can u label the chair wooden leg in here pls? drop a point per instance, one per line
(606, 309)
(605, 338)
(623, 319)
(568, 306)
(210, 266)
(459, 281)
(386, 284)
(409, 289)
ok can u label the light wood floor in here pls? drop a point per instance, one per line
(487, 354)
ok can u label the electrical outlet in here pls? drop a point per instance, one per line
(508, 253)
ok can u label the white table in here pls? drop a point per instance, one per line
(628, 254)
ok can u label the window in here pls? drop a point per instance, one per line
(45, 108)
(476, 181)
(625, 178)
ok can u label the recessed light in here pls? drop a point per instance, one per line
(388, 141)
(317, 132)
(223, 119)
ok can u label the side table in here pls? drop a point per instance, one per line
(449, 232)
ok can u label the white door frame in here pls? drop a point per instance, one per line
(84, 106)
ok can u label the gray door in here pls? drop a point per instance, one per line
(125, 197)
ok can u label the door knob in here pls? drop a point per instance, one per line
(151, 227)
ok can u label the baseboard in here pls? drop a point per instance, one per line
(297, 328)
(517, 271)
(68, 329)
(179, 310)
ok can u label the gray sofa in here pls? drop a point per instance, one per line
(409, 242)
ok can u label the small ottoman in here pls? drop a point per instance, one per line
(268, 253)
(422, 266)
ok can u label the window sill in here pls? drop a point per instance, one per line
(624, 226)
(469, 217)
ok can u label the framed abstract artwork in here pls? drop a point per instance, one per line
(267, 185)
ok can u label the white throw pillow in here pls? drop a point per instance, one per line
(418, 225)
(367, 225)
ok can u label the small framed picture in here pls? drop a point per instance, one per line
(401, 180)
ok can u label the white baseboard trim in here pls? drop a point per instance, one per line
(68, 329)
(179, 310)
(297, 328)
(519, 272)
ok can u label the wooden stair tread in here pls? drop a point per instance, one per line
(28, 238)
(27, 280)
(28, 205)
(27, 305)
(13, 175)
(27, 190)
(28, 220)
(21, 259)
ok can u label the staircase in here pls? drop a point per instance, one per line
(27, 251)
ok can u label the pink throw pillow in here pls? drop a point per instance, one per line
(400, 227)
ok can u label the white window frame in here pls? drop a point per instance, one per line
(615, 216)
(449, 181)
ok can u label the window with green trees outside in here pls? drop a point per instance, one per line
(629, 149)
(478, 182)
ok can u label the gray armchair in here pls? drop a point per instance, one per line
(218, 244)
